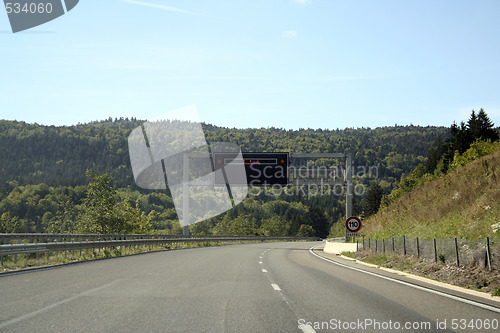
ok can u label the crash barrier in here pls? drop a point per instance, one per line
(34, 245)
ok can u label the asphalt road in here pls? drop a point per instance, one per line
(269, 287)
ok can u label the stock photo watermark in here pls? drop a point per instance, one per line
(27, 14)
(172, 151)
(310, 181)
(479, 325)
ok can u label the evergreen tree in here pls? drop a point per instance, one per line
(473, 128)
(458, 141)
(479, 127)
(435, 154)
(486, 127)
(373, 200)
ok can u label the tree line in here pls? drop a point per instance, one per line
(34, 154)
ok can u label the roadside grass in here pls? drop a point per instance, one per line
(11, 263)
(349, 254)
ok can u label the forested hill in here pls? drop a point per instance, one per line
(33, 154)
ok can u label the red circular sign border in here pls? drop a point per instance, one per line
(353, 218)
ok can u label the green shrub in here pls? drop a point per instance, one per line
(477, 150)
(481, 284)
(442, 258)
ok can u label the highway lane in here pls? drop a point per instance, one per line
(267, 287)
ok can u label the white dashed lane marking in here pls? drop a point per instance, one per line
(303, 328)
(307, 329)
(275, 287)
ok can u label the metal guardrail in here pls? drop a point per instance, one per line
(37, 243)
(47, 238)
(337, 239)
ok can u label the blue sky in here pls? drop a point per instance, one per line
(283, 63)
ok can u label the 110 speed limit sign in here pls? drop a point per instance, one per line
(353, 224)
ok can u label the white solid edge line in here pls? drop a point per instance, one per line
(275, 287)
(440, 293)
(307, 329)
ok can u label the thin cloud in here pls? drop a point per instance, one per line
(339, 78)
(289, 34)
(162, 7)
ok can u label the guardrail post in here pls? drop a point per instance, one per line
(404, 245)
(435, 251)
(383, 245)
(456, 250)
(488, 253)
(418, 249)
(393, 247)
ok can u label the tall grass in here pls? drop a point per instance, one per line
(464, 203)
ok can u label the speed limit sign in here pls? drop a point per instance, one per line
(353, 224)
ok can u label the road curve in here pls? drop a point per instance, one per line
(266, 287)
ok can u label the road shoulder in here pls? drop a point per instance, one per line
(468, 294)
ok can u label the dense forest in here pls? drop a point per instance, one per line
(34, 154)
(44, 186)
